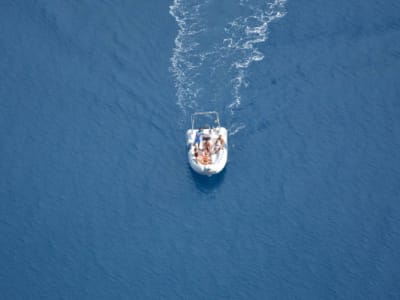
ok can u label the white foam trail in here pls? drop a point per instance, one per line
(189, 23)
(235, 128)
(211, 62)
(244, 33)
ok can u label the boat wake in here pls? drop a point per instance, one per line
(214, 48)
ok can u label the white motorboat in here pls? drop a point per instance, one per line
(207, 145)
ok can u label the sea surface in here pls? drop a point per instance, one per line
(97, 200)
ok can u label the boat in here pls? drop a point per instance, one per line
(207, 145)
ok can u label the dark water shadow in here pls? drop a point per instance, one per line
(206, 184)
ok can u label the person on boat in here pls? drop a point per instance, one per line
(196, 153)
(219, 144)
(197, 139)
(205, 159)
(207, 146)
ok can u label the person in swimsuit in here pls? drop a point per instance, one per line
(196, 154)
(206, 159)
(207, 147)
(219, 144)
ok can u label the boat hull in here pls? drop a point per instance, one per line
(218, 158)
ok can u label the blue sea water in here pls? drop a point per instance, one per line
(97, 200)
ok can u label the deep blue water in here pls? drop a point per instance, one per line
(97, 200)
